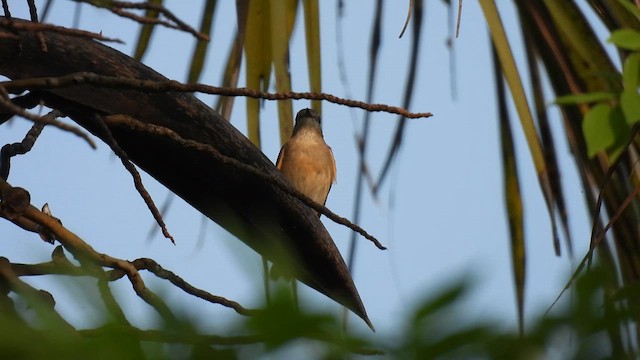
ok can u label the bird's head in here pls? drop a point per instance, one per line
(308, 120)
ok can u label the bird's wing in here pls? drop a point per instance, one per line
(334, 172)
(280, 155)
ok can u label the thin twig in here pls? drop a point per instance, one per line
(459, 17)
(10, 150)
(5, 7)
(172, 85)
(137, 180)
(33, 12)
(6, 103)
(406, 22)
(139, 286)
(598, 237)
(89, 257)
(134, 124)
(144, 19)
(117, 6)
(37, 27)
(155, 268)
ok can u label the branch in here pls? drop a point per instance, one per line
(272, 222)
(137, 180)
(40, 27)
(10, 150)
(123, 120)
(117, 7)
(153, 267)
(87, 255)
(41, 301)
(172, 85)
(6, 103)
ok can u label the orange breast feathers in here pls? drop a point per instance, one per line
(308, 163)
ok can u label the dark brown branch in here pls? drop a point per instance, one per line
(60, 265)
(33, 11)
(172, 85)
(153, 267)
(22, 222)
(137, 180)
(38, 27)
(6, 103)
(123, 120)
(26, 101)
(143, 19)
(89, 257)
(5, 7)
(139, 286)
(10, 150)
(117, 7)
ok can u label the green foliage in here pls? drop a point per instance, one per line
(585, 98)
(604, 128)
(626, 39)
(436, 328)
(607, 124)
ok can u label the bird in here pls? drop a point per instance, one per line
(306, 160)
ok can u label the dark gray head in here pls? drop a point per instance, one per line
(307, 119)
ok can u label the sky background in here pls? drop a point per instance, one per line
(441, 212)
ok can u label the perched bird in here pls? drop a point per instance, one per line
(306, 160)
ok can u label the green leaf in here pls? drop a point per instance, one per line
(621, 133)
(630, 103)
(585, 98)
(605, 128)
(626, 39)
(631, 72)
(597, 131)
(445, 299)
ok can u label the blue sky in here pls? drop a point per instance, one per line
(441, 214)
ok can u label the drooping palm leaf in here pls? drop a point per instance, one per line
(200, 51)
(513, 199)
(144, 37)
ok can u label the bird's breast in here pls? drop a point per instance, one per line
(308, 164)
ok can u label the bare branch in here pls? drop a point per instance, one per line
(41, 301)
(37, 27)
(10, 150)
(117, 7)
(172, 85)
(127, 121)
(153, 267)
(137, 180)
(6, 103)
